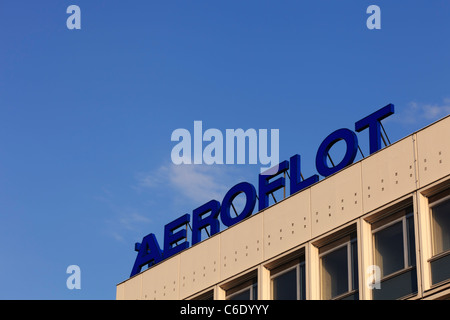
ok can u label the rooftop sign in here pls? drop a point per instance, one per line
(208, 215)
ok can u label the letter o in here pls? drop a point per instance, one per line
(250, 193)
(352, 147)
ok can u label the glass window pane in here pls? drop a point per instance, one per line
(397, 287)
(411, 241)
(245, 290)
(334, 273)
(389, 249)
(244, 295)
(254, 292)
(441, 227)
(302, 282)
(284, 286)
(440, 269)
(354, 250)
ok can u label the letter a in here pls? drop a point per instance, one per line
(149, 253)
(374, 21)
(74, 280)
(74, 21)
(181, 153)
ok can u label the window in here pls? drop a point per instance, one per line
(440, 229)
(247, 290)
(395, 255)
(288, 281)
(205, 296)
(339, 269)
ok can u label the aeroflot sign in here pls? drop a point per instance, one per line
(207, 215)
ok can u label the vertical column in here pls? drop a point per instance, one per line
(219, 293)
(263, 283)
(417, 236)
(423, 240)
(312, 272)
(365, 258)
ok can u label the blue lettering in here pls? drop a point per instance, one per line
(149, 253)
(296, 180)
(170, 238)
(352, 148)
(199, 221)
(250, 193)
(372, 122)
(266, 187)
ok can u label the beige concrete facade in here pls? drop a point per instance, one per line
(406, 173)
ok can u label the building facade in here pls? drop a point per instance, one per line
(378, 229)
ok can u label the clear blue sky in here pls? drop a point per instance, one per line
(86, 115)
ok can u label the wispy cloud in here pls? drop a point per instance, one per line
(415, 112)
(131, 220)
(171, 188)
(197, 183)
(126, 223)
(122, 221)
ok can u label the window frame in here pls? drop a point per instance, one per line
(403, 212)
(205, 296)
(442, 197)
(298, 265)
(406, 249)
(430, 206)
(350, 263)
(250, 288)
(239, 284)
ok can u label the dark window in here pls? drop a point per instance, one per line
(247, 290)
(288, 281)
(394, 254)
(440, 225)
(339, 269)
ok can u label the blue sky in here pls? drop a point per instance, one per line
(86, 115)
